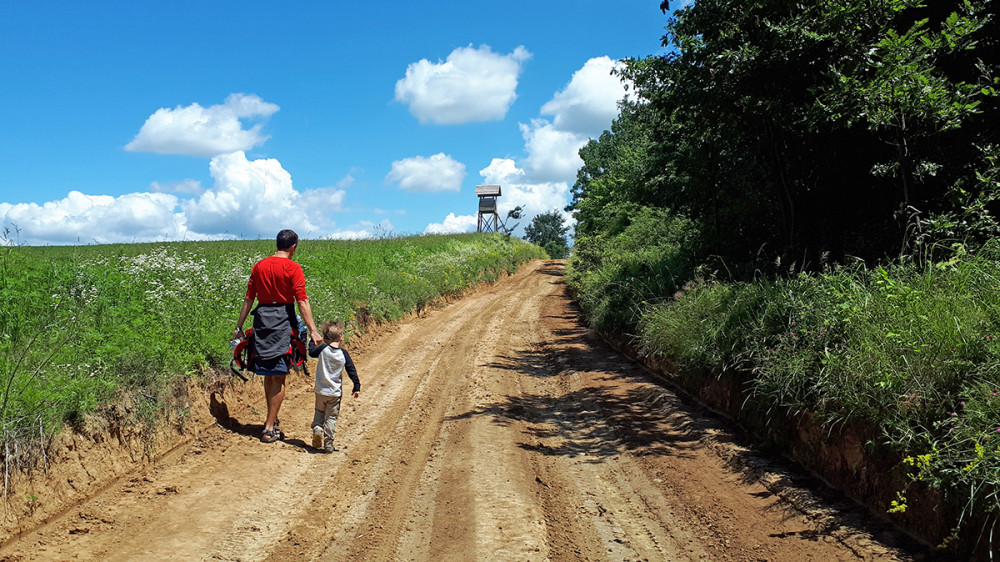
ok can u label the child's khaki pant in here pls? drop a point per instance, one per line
(325, 417)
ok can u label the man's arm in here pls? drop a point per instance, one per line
(244, 311)
(307, 315)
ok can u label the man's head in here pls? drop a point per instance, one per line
(332, 331)
(286, 239)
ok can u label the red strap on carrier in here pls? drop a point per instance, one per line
(297, 350)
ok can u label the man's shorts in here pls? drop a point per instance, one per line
(273, 366)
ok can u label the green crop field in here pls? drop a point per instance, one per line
(84, 325)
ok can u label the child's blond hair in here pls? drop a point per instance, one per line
(332, 331)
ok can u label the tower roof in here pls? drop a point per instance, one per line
(489, 190)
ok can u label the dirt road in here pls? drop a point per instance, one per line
(495, 428)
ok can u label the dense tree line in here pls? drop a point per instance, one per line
(801, 134)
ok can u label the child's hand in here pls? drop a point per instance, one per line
(356, 394)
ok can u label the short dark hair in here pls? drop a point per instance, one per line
(287, 238)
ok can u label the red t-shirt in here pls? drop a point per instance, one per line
(276, 280)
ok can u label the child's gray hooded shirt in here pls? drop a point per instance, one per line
(330, 366)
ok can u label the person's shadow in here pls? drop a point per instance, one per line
(220, 411)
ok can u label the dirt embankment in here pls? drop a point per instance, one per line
(496, 428)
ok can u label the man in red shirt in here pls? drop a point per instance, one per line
(276, 282)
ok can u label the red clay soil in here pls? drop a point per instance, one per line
(494, 428)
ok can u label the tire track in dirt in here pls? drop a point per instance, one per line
(476, 327)
(496, 428)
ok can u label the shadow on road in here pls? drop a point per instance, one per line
(623, 410)
(553, 269)
(220, 411)
(593, 423)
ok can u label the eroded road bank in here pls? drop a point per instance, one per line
(495, 428)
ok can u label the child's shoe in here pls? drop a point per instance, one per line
(328, 447)
(317, 439)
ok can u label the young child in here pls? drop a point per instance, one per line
(331, 363)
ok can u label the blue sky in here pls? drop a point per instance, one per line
(129, 122)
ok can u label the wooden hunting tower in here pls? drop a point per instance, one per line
(488, 217)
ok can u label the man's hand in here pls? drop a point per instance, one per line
(317, 338)
(237, 334)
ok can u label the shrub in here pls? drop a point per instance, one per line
(647, 256)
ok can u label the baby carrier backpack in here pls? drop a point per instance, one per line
(245, 355)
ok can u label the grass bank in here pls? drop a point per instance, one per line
(909, 352)
(84, 325)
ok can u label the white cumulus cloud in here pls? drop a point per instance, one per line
(553, 155)
(204, 131)
(473, 84)
(580, 111)
(254, 198)
(589, 103)
(249, 198)
(453, 224)
(439, 172)
(86, 219)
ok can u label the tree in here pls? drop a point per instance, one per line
(515, 214)
(547, 230)
(800, 133)
(909, 91)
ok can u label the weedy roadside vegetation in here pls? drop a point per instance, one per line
(912, 350)
(85, 326)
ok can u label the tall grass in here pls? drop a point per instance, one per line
(911, 350)
(83, 325)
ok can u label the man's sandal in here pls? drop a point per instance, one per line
(270, 435)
